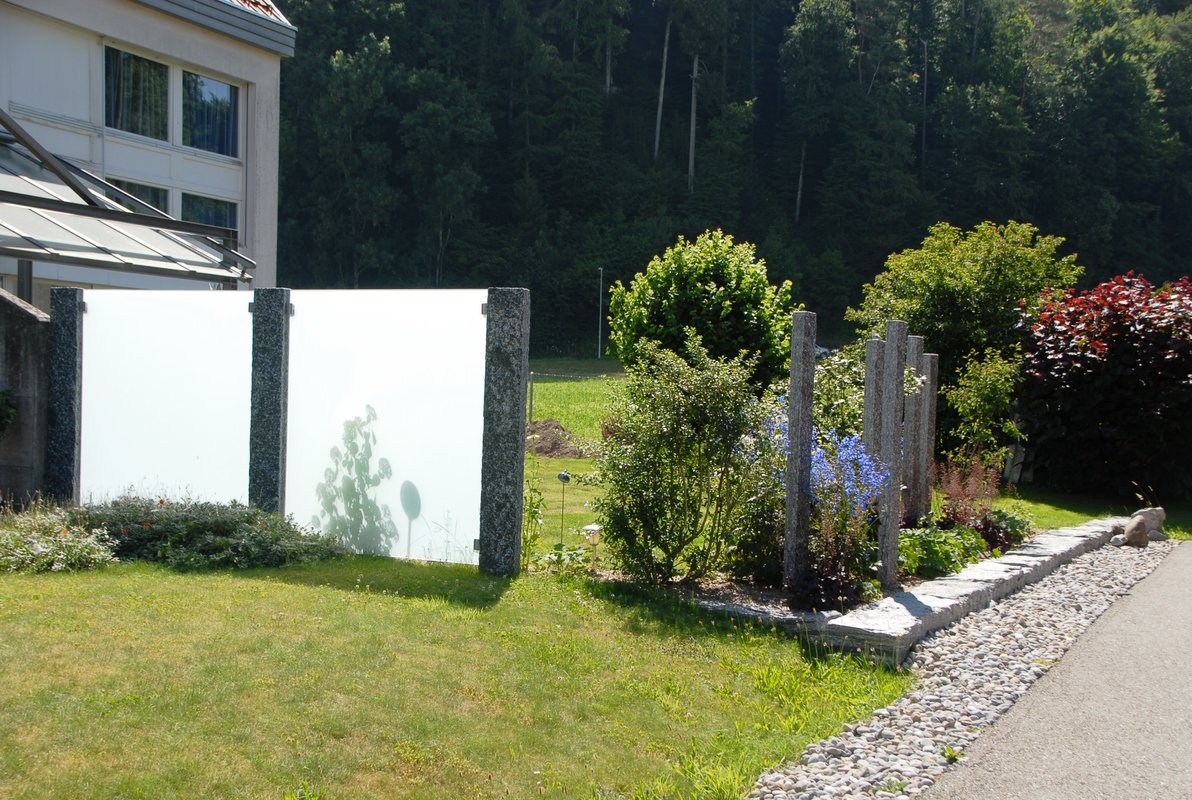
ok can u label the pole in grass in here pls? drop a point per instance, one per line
(564, 478)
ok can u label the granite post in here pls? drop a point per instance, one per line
(871, 420)
(931, 390)
(796, 561)
(912, 435)
(893, 393)
(270, 399)
(506, 371)
(65, 406)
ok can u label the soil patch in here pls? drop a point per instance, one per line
(549, 439)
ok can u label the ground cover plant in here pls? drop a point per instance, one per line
(45, 539)
(196, 534)
(365, 677)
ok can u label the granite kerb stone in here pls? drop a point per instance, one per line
(887, 629)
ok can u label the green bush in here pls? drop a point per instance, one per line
(678, 467)
(716, 288)
(964, 292)
(44, 539)
(192, 534)
(983, 400)
(931, 552)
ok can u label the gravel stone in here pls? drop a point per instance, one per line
(969, 674)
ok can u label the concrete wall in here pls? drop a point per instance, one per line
(24, 334)
(51, 81)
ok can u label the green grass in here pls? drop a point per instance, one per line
(567, 508)
(576, 392)
(368, 677)
(1051, 509)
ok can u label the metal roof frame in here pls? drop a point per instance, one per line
(215, 259)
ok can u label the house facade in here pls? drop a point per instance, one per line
(173, 101)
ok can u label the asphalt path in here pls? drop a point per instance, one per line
(1112, 720)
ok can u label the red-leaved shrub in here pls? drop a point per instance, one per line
(1107, 391)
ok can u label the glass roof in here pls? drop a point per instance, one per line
(36, 223)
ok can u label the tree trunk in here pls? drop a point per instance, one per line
(691, 135)
(661, 88)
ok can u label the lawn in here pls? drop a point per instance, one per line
(574, 391)
(1053, 510)
(368, 677)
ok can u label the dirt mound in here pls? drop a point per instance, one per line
(548, 438)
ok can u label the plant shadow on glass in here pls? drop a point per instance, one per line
(349, 514)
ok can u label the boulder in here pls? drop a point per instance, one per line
(1154, 517)
(1135, 534)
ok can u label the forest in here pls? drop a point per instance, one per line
(560, 144)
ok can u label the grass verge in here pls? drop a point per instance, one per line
(368, 677)
(1051, 509)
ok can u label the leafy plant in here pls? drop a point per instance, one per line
(983, 400)
(1107, 396)
(934, 551)
(533, 504)
(951, 754)
(44, 539)
(349, 513)
(677, 473)
(716, 288)
(838, 402)
(564, 560)
(305, 792)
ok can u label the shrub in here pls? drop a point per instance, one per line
(678, 469)
(982, 401)
(1107, 395)
(191, 534)
(716, 288)
(932, 551)
(43, 539)
(963, 291)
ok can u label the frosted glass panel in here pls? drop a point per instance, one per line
(385, 419)
(166, 394)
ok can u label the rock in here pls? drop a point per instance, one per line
(1135, 533)
(1118, 541)
(1157, 536)
(1155, 517)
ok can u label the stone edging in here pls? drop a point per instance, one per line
(889, 627)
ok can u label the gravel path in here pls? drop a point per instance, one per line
(969, 674)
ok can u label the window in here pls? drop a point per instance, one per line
(208, 210)
(209, 114)
(136, 94)
(137, 99)
(155, 196)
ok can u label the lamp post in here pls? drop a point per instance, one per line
(599, 311)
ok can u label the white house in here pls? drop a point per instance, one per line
(174, 101)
